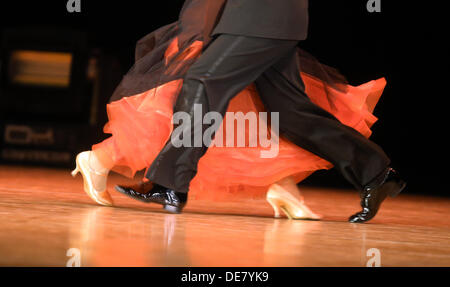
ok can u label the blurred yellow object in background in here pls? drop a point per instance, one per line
(40, 68)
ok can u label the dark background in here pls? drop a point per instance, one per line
(404, 43)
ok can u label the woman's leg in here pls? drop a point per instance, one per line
(95, 166)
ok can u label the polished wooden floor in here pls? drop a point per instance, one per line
(44, 213)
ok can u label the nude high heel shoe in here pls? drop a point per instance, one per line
(285, 196)
(102, 197)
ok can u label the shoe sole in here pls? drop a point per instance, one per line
(172, 209)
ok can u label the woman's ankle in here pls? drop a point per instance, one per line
(99, 162)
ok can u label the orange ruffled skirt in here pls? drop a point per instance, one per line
(140, 126)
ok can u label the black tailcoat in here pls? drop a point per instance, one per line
(274, 19)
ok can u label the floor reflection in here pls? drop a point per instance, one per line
(113, 237)
(123, 237)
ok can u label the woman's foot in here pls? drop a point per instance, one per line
(285, 196)
(94, 177)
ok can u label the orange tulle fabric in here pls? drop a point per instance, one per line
(140, 126)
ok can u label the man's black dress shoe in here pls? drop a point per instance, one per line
(172, 201)
(373, 195)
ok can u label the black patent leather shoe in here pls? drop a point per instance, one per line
(372, 196)
(171, 200)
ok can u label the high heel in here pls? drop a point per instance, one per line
(82, 166)
(275, 206)
(279, 196)
(75, 171)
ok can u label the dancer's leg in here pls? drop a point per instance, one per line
(228, 65)
(101, 160)
(95, 166)
(104, 154)
(307, 125)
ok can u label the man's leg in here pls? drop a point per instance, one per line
(227, 66)
(307, 125)
(361, 161)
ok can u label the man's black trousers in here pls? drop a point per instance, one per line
(228, 66)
